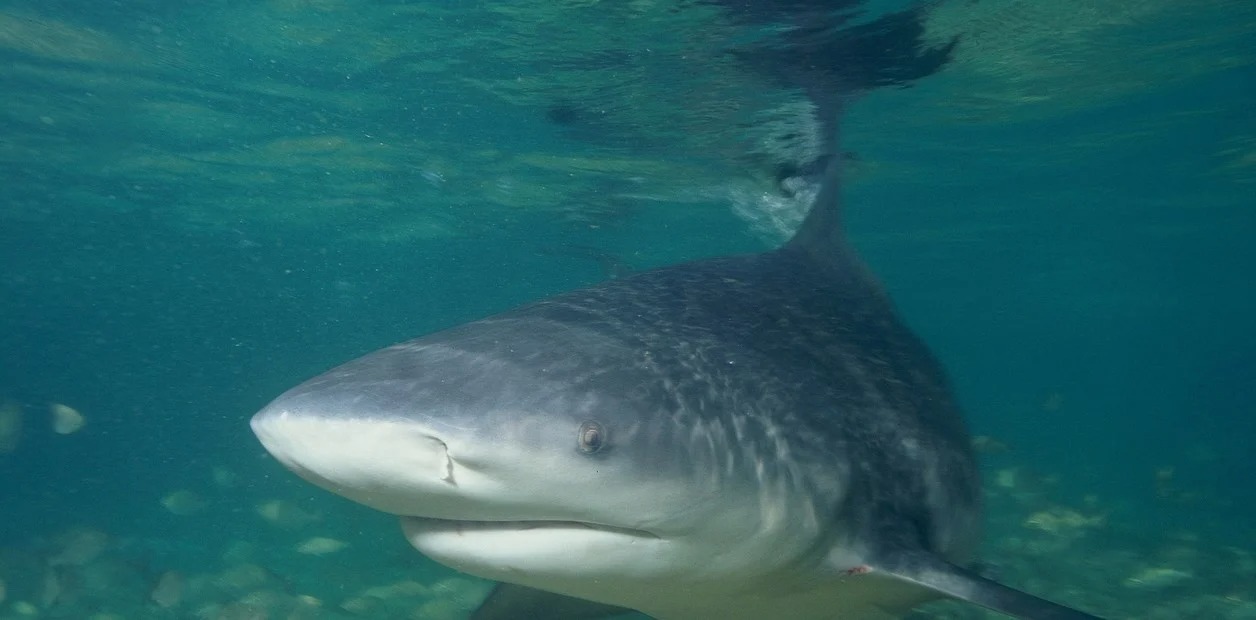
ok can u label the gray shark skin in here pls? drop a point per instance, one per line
(752, 436)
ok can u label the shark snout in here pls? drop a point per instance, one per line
(382, 463)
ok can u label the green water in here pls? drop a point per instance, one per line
(205, 203)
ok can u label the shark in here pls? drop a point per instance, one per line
(741, 437)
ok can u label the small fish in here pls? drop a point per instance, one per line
(224, 478)
(184, 503)
(168, 591)
(1157, 578)
(51, 590)
(1061, 521)
(78, 546)
(320, 545)
(25, 609)
(285, 514)
(305, 600)
(66, 420)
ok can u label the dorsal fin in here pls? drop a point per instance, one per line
(934, 573)
(821, 234)
(822, 237)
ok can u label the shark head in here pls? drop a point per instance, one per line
(539, 449)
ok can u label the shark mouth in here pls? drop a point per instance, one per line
(414, 525)
(517, 551)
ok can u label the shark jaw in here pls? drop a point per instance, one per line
(494, 548)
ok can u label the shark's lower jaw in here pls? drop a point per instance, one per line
(521, 551)
(469, 527)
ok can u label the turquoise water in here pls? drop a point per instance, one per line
(205, 203)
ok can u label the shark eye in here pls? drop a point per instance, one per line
(592, 437)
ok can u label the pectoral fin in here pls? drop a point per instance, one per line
(935, 574)
(514, 602)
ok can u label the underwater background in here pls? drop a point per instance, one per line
(205, 203)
